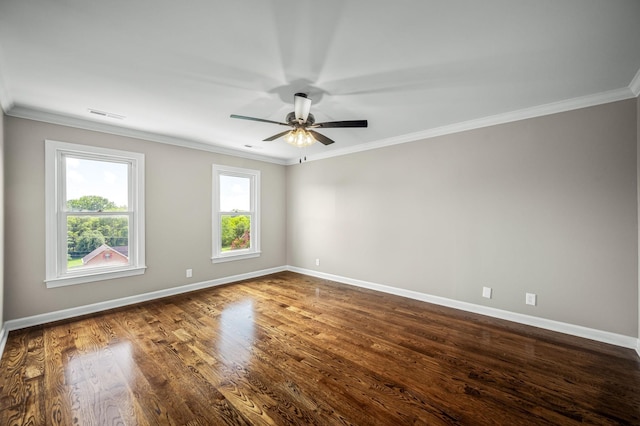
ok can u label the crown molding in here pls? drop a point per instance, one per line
(20, 111)
(538, 111)
(634, 86)
(493, 120)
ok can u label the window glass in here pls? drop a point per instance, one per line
(236, 232)
(95, 213)
(235, 194)
(92, 239)
(96, 185)
(236, 213)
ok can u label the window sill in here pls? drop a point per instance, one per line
(238, 256)
(98, 276)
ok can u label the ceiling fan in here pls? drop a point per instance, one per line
(302, 123)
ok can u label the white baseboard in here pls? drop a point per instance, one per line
(117, 303)
(571, 329)
(575, 330)
(4, 333)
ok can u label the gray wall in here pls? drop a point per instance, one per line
(2, 119)
(545, 205)
(178, 219)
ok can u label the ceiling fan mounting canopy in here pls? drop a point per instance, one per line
(303, 122)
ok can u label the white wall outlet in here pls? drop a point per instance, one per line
(531, 299)
(189, 273)
(317, 262)
(486, 292)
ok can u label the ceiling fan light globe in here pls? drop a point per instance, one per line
(310, 140)
(291, 137)
(300, 138)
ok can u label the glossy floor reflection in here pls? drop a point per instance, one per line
(236, 333)
(291, 349)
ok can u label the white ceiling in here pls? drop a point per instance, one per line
(413, 68)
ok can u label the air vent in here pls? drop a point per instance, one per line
(106, 114)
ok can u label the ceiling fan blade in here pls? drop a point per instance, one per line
(301, 106)
(348, 123)
(320, 138)
(274, 137)
(262, 120)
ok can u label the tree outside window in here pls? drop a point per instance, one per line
(95, 213)
(235, 213)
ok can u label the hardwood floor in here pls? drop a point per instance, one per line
(291, 349)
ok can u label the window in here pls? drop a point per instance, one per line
(236, 213)
(94, 213)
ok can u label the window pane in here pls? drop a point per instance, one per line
(97, 241)
(235, 232)
(235, 194)
(96, 185)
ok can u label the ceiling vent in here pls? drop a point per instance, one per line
(106, 114)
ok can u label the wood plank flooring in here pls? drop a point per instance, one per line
(292, 349)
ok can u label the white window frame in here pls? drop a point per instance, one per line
(56, 213)
(254, 178)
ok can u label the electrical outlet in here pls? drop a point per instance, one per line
(189, 273)
(486, 292)
(531, 299)
(317, 262)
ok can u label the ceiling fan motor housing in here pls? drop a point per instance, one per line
(292, 120)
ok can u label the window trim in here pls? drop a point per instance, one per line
(55, 240)
(218, 255)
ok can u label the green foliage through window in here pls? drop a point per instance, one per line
(236, 232)
(93, 203)
(87, 233)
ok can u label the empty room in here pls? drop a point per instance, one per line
(319, 213)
